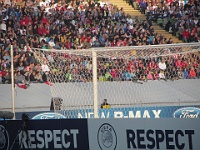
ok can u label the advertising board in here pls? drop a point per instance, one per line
(137, 134)
(128, 112)
(44, 134)
(100, 134)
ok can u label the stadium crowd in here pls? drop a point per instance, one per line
(179, 17)
(81, 25)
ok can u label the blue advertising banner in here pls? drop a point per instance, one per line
(44, 134)
(126, 112)
(139, 112)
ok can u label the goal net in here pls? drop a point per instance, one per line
(123, 82)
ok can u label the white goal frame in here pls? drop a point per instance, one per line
(93, 52)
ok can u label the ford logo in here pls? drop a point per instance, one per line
(187, 112)
(50, 115)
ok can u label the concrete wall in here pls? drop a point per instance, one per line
(156, 93)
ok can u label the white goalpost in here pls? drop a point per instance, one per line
(95, 86)
(130, 78)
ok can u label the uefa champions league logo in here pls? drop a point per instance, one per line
(107, 138)
(4, 138)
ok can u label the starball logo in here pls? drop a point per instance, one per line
(4, 138)
(106, 137)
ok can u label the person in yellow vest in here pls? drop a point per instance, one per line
(105, 104)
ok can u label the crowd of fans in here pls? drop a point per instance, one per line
(179, 17)
(81, 25)
(79, 69)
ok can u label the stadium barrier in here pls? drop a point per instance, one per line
(192, 111)
(100, 134)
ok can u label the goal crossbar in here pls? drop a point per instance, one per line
(123, 48)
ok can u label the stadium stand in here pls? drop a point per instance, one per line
(179, 18)
(128, 8)
(82, 25)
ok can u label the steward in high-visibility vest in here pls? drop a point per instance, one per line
(105, 105)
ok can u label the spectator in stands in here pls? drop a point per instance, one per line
(7, 77)
(185, 74)
(1, 78)
(19, 78)
(186, 35)
(143, 6)
(162, 75)
(192, 74)
(45, 67)
(180, 73)
(162, 65)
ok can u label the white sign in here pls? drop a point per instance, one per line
(143, 134)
